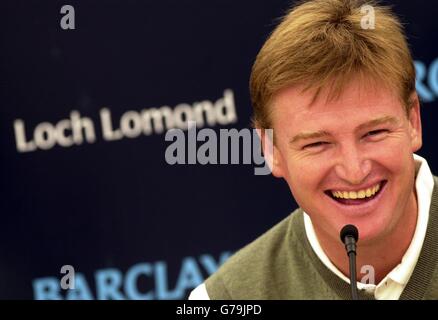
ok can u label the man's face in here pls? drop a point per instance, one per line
(348, 161)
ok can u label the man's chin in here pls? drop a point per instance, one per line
(372, 226)
(372, 230)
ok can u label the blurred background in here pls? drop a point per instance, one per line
(87, 92)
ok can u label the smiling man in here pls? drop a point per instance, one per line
(346, 118)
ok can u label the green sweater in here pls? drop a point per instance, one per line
(281, 264)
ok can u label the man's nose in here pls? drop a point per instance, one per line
(352, 166)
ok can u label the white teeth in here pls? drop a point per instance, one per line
(360, 194)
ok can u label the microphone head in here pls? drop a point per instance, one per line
(349, 230)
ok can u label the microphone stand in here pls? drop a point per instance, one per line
(349, 236)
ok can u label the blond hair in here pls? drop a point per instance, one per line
(322, 43)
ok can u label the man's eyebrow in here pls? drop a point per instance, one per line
(322, 133)
(308, 135)
(378, 121)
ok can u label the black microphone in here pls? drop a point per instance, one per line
(349, 236)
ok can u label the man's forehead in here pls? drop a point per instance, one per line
(353, 116)
(356, 97)
(346, 111)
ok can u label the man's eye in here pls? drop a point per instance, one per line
(315, 145)
(376, 132)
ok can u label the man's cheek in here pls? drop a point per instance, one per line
(391, 155)
(304, 189)
(301, 178)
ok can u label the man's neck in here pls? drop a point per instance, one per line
(383, 255)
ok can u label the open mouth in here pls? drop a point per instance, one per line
(356, 197)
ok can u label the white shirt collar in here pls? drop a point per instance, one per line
(400, 275)
(424, 186)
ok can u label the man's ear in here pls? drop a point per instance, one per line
(270, 152)
(415, 123)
